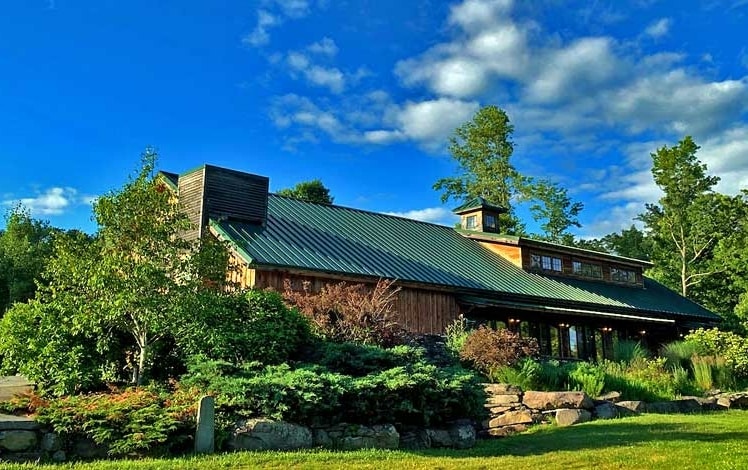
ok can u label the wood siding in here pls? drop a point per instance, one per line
(235, 195)
(419, 310)
(568, 270)
(512, 253)
(191, 198)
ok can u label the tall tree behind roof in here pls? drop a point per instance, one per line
(310, 191)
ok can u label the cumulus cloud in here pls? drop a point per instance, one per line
(659, 28)
(434, 215)
(273, 13)
(52, 201)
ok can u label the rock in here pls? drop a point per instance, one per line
(606, 411)
(688, 405)
(556, 400)
(417, 439)
(321, 438)
(205, 431)
(610, 396)
(507, 430)
(13, 385)
(634, 406)
(569, 417)
(501, 389)
(707, 404)
(497, 410)
(381, 436)
(59, 456)
(17, 441)
(662, 407)
(502, 399)
(266, 434)
(34, 456)
(510, 418)
(733, 400)
(457, 436)
(51, 442)
(86, 448)
(17, 423)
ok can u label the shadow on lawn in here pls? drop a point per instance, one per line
(589, 437)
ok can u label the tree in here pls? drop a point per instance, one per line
(689, 219)
(25, 247)
(554, 206)
(310, 191)
(135, 277)
(630, 242)
(483, 149)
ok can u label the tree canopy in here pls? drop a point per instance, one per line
(310, 191)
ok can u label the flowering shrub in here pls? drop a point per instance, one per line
(713, 342)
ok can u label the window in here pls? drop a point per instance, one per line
(592, 270)
(546, 263)
(491, 222)
(623, 275)
(471, 222)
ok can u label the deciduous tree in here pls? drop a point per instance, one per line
(310, 191)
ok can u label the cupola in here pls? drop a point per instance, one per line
(479, 215)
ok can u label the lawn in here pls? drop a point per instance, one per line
(709, 441)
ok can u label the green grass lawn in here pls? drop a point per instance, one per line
(709, 441)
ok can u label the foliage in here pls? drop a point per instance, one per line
(310, 191)
(631, 243)
(130, 421)
(415, 393)
(525, 374)
(587, 377)
(678, 353)
(732, 347)
(358, 359)
(53, 349)
(641, 379)
(482, 148)
(455, 335)
(628, 351)
(25, 247)
(488, 349)
(350, 312)
(241, 327)
(702, 372)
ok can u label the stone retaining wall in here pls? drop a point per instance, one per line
(511, 410)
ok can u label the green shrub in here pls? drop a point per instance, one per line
(526, 374)
(587, 377)
(678, 354)
(488, 349)
(42, 343)
(628, 351)
(359, 359)
(642, 379)
(417, 393)
(243, 327)
(132, 421)
(455, 335)
(732, 347)
(552, 376)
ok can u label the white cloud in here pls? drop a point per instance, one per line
(324, 46)
(52, 201)
(434, 215)
(301, 65)
(259, 35)
(432, 122)
(659, 28)
(273, 13)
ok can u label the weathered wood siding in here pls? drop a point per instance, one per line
(512, 253)
(419, 310)
(191, 198)
(236, 195)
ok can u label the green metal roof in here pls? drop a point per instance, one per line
(315, 237)
(477, 203)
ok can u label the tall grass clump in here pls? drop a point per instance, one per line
(702, 372)
(628, 351)
(679, 354)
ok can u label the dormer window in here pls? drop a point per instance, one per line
(471, 222)
(546, 263)
(592, 270)
(479, 215)
(623, 275)
(490, 223)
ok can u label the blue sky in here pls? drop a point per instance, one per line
(364, 94)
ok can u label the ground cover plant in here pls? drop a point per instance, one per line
(714, 441)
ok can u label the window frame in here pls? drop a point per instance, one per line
(623, 275)
(586, 268)
(471, 222)
(547, 263)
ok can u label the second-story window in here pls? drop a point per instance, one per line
(580, 268)
(471, 222)
(546, 263)
(491, 222)
(623, 275)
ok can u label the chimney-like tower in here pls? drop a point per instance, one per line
(219, 193)
(478, 215)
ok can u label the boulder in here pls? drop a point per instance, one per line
(501, 389)
(51, 442)
(18, 440)
(634, 406)
(610, 396)
(556, 400)
(498, 400)
(662, 407)
(569, 417)
(507, 430)
(13, 385)
(733, 400)
(457, 436)
(416, 439)
(17, 423)
(266, 434)
(606, 411)
(688, 405)
(497, 410)
(510, 418)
